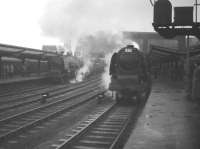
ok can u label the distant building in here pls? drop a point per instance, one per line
(53, 48)
(50, 48)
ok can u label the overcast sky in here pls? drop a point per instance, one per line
(32, 23)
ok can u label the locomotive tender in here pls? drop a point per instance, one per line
(130, 75)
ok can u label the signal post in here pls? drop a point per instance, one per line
(182, 25)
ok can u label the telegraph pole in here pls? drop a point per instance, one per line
(196, 9)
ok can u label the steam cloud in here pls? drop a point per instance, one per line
(100, 44)
(93, 26)
(83, 70)
(71, 19)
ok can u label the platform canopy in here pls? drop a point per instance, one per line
(164, 54)
(23, 52)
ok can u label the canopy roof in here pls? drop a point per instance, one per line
(23, 52)
(162, 54)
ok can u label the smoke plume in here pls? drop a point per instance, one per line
(69, 20)
(92, 27)
(83, 71)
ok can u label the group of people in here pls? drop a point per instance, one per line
(7, 71)
(177, 71)
(194, 81)
(173, 70)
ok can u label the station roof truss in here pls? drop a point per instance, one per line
(164, 54)
(23, 52)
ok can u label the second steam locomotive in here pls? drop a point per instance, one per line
(130, 75)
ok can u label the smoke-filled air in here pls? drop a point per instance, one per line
(91, 26)
(69, 20)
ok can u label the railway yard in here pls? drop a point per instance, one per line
(48, 108)
(100, 74)
(83, 116)
(77, 111)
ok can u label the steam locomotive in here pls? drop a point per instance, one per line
(64, 68)
(130, 75)
(67, 67)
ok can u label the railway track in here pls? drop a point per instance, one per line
(30, 104)
(14, 89)
(102, 130)
(29, 94)
(13, 109)
(35, 97)
(33, 104)
(17, 124)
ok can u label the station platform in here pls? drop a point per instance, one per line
(168, 120)
(22, 79)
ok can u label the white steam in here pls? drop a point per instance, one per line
(135, 44)
(68, 20)
(91, 27)
(73, 45)
(83, 71)
(106, 76)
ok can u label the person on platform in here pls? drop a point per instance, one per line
(196, 84)
(190, 79)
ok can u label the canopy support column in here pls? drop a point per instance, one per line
(39, 65)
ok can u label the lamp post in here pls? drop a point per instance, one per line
(196, 7)
(188, 79)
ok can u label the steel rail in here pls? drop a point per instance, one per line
(10, 92)
(38, 98)
(20, 97)
(59, 101)
(102, 132)
(31, 88)
(36, 121)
